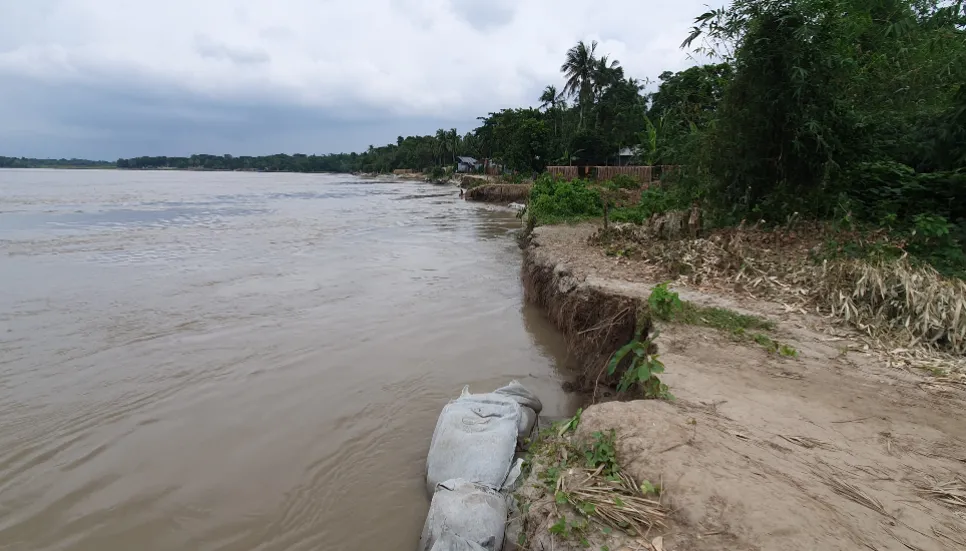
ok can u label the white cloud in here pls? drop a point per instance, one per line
(435, 58)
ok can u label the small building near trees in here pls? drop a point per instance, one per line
(466, 164)
(628, 156)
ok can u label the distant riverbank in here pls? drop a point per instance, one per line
(28, 162)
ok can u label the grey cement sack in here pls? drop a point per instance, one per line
(464, 516)
(477, 434)
(520, 395)
(452, 542)
(530, 408)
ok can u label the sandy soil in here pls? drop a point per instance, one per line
(831, 450)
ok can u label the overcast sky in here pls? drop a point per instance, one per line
(110, 78)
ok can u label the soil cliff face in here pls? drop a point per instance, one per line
(829, 450)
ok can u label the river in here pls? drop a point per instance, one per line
(241, 361)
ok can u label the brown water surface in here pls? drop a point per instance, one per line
(236, 361)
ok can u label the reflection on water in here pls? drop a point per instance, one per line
(233, 361)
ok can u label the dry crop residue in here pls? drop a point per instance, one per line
(834, 449)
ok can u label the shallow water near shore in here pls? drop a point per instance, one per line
(239, 361)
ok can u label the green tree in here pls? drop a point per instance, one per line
(580, 68)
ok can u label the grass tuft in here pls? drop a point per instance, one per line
(587, 488)
(720, 318)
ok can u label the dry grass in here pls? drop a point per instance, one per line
(570, 499)
(836, 481)
(914, 312)
(618, 502)
(806, 442)
(499, 193)
(951, 492)
(896, 297)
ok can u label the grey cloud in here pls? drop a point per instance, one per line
(104, 123)
(134, 76)
(485, 14)
(212, 49)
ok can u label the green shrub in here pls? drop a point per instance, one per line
(623, 181)
(553, 201)
(436, 173)
(654, 200)
(934, 240)
(664, 303)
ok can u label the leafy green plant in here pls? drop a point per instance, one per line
(650, 140)
(772, 346)
(787, 351)
(553, 201)
(649, 488)
(642, 370)
(623, 181)
(571, 424)
(550, 475)
(601, 453)
(764, 341)
(656, 199)
(663, 302)
(567, 529)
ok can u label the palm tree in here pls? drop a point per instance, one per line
(441, 138)
(454, 139)
(549, 98)
(606, 73)
(579, 68)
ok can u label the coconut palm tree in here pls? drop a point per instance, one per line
(579, 68)
(454, 139)
(442, 137)
(549, 98)
(606, 73)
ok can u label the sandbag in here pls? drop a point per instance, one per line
(451, 542)
(514, 479)
(472, 512)
(475, 439)
(521, 395)
(525, 428)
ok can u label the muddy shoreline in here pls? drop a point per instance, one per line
(830, 449)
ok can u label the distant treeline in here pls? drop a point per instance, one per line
(337, 162)
(27, 162)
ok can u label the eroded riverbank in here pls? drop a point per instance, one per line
(829, 449)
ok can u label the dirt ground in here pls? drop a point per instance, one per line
(832, 450)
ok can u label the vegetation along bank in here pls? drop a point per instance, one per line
(771, 337)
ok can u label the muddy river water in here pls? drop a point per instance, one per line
(237, 361)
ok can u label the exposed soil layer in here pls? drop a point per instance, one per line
(499, 193)
(595, 323)
(831, 450)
